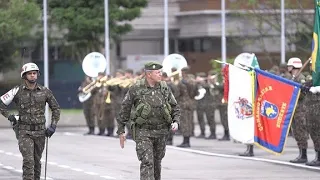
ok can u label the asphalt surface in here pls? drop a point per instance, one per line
(72, 156)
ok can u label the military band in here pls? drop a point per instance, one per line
(201, 93)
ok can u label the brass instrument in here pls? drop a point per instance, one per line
(92, 64)
(174, 61)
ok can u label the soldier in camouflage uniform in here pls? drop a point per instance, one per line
(217, 90)
(299, 126)
(99, 107)
(187, 92)
(30, 99)
(206, 106)
(88, 109)
(175, 91)
(156, 113)
(313, 120)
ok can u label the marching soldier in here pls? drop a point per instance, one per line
(299, 126)
(187, 93)
(88, 109)
(30, 99)
(156, 112)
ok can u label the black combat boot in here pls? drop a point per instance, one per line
(90, 132)
(302, 158)
(226, 136)
(185, 143)
(202, 135)
(316, 161)
(101, 131)
(110, 132)
(248, 152)
(212, 136)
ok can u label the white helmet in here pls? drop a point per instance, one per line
(295, 62)
(29, 67)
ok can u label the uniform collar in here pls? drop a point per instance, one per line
(24, 86)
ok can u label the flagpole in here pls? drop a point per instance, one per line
(45, 49)
(223, 31)
(283, 36)
(166, 29)
(106, 36)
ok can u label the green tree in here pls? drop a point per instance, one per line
(17, 18)
(84, 21)
(265, 18)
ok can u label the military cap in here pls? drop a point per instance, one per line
(201, 74)
(101, 74)
(173, 69)
(129, 71)
(152, 66)
(120, 71)
(164, 74)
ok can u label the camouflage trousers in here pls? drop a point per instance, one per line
(223, 110)
(88, 112)
(313, 122)
(31, 146)
(209, 112)
(299, 126)
(150, 152)
(107, 118)
(186, 122)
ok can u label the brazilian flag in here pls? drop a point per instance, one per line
(316, 46)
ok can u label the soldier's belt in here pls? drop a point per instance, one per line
(153, 127)
(32, 127)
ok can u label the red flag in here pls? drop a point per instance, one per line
(225, 73)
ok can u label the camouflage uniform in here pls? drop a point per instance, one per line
(99, 107)
(109, 112)
(313, 123)
(31, 125)
(299, 126)
(175, 91)
(223, 109)
(151, 123)
(88, 109)
(206, 106)
(187, 92)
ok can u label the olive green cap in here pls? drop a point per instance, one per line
(152, 66)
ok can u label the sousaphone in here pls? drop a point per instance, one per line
(92, 64)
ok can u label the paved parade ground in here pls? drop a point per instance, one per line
(72, 156)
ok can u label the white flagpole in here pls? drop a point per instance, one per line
(166, 29)
(223, 32)
(283, 35)
(45, 48)
(106, 35)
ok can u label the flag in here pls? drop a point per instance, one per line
(240, 105)
(275, 103)
(245, 60)
(315, 46)
(225, 73)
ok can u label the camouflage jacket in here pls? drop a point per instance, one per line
(154, 96)
(208, 98)
(187, 92)
(31, 104)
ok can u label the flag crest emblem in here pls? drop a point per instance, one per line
(269, 110)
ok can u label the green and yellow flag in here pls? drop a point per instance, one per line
(316, 46)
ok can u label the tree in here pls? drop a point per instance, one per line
(84, 20)
(17, 18)
(266, 20)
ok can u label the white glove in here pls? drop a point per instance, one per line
(315, 89)
(174, 126)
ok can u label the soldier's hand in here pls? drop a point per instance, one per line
(12, 119)
(122, 138)
(51, 130)
(174, 126)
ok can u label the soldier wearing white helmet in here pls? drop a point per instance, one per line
(30, 99)
(299, 126)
